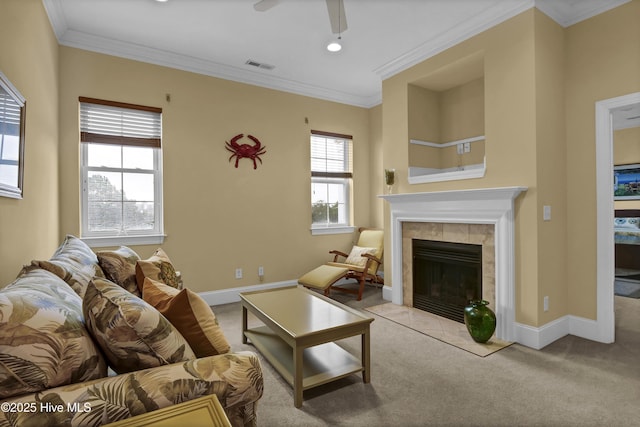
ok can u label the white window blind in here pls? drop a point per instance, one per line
(117, 123)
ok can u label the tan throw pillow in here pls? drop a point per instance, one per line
(355, 256)
(158, 267)
(120, 267)
(190, 314)
(132, 334)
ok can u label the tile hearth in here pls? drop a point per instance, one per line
(445, 330)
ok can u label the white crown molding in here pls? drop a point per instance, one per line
(567, 14)
(56, 17)
(479, 23)
(169, 59)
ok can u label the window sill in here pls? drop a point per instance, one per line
(332, 230)
(101, 242)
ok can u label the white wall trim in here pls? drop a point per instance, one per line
(603, 329)
(539, 337)
(446, 144)
(227, 296)
(387, 293)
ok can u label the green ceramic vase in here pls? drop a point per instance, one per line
(480, 320)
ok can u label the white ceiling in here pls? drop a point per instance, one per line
(217, 37)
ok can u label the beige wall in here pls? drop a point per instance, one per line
(541, 85)
(551, 173)
(441, 116)
(29, 59)
(510, 130)
(602, 62)
(219, 218)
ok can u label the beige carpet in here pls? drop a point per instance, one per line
(445, 330)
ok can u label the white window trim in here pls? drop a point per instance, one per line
(103, 239)
(341, 228)
(344, 229)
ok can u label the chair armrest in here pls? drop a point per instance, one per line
(336, 254)
(372, 258)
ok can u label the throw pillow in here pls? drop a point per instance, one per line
(43, 339)
(190, 314)
(132, 334)
(158, 267)
(355, 256)
(119, 266)
(74, 262)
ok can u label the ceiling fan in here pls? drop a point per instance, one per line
(334, 7)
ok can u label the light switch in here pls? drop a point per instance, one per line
(546, 213)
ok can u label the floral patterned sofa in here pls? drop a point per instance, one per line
(67, 322)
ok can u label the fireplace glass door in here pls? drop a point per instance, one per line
(446, 276)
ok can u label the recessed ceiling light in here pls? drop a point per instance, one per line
(334, 46)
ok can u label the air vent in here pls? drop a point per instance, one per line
(260, 64)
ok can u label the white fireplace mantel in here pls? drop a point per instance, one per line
(477, 206)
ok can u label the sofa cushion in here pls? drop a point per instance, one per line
(43, 339)
(235, 378)
(119, 266)
(190, 314)
(132, 334)
(158, 267)
(74, 262)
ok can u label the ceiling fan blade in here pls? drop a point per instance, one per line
(264, 5)
(337, 16)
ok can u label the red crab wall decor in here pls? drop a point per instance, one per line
(248, 151)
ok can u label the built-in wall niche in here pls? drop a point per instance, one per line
(446, 123)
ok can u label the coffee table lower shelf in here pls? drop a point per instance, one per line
(321, 363)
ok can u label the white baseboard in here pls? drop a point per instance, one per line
(530, 336)
(386, 293)
(227, 296)
(540, 337)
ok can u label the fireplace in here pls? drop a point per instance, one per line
(446, 276)
(442, 215)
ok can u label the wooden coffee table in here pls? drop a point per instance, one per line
(297, 338)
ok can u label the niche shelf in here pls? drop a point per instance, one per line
(418, 175)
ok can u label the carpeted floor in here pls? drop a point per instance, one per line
(420, 381)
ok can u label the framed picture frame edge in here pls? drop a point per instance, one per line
(7, 190)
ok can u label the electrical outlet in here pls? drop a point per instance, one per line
(467, 147)
(261, 271)
(546, 213)
(460, 148)
(545, 303)
(238, 273)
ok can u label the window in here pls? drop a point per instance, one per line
(12, 116)
(121, 171)
(331, 178)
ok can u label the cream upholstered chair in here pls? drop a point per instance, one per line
(363, 261)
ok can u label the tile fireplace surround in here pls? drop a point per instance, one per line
(455, 216)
